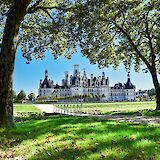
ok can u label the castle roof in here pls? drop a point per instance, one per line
(61, 87)
(46, 83)
(128, 85)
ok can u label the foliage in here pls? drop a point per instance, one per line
(114, 31)
(21, 95)
(14, 94)
(32, 96)
(151, 92)
(39, 31)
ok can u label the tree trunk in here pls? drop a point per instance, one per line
(157, 87)
(15, 16)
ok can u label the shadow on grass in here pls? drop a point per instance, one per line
(84, 138)
(144, 112)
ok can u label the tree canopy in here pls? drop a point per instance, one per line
(110, 32)
(31, 96)
(21, 95)
(40, 29)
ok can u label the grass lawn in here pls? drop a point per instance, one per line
(80, 138)
(113, 108)
(25, 108)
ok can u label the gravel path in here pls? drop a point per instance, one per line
(48, 108)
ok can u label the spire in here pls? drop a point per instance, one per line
(128, 76)
(91, 76)
(84, 72)
(128, 85)
(46, 73)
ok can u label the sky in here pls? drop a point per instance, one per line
(27, 76)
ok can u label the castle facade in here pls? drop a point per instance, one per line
(81, 85)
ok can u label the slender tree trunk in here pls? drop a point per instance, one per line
(15, 16)
(157, 87)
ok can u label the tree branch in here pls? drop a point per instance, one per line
(32, 8)
(134, 46)
(48, 13)
(63, 8)
(150, 40)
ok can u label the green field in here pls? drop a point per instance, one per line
(26, 110)
(125, 108)
(111, 108)
(79, 138)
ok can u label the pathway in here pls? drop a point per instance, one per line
(50, 109)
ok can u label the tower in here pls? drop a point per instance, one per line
(84, 73)
(103, 75)
(67, 78)
(103, 79)
(76, 70)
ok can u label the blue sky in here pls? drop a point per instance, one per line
(27, 76)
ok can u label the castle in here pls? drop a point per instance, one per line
(80, 85)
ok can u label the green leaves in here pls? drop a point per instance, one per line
(108, 32)
(114, 31)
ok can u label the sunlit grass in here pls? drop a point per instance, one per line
(127, 108)
(81, 138)
(25, 108)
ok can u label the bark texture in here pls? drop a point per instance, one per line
(157, 87)
(15, 16)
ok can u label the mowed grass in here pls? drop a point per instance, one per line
(25, 108)
(79, 138)
(112, 108)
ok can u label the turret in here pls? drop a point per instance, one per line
(103, 75)
(66, 74)
(63, 82)
(91, 76)
(52, 83)
(49, 81)
(84, 73)
(107, 80)
(129, 85)
(46, 73)
(128, 76)
(76, 69)
(67, 78)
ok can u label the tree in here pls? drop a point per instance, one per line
(31, 96)
(21, 96)
(32, 25)
(111, 32)
(14, 94)
(151, 92)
